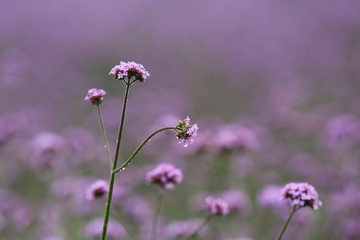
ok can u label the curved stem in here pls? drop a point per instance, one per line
(104, 136)
(201, 226)
(156, 215)
(286, 223)
(139, 148)
(112, 176)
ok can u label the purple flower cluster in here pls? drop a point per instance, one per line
(129, 70)
(185, 132)
(165, 176)
(217, 206)
(97, 190)
(95, 96)
(301, 194)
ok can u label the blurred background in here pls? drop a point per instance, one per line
(273, 86)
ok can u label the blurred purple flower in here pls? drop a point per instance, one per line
(94, 228)
(217, 206)
(229, 138)
(268, 197)
(237, 201)
(165, 176)
(81, 143)
(182, 229)
(95, 96)
(96, 190)
(301, 194)
(51, 238)
(238, 239)
(341, 132)
(185, 132)
(137, 209)
(46, 150)
(129, 70)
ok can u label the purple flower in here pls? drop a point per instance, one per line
(165, 175)
(97, 190)
(217, 206)
(301, 194)
(95, 96)
(129, 70)
(185, 132)
(94, 228)
(237, 201)
(182, 229)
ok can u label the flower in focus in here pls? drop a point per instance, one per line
(165, 175)
(126, 71)
(95, 96)
(185, 132)
(97, 190)
(217, 206)
(301, 194)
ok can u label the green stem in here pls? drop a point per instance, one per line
(156, 215)
(112, 176)
(121, 126)
(286, 223)
(201, 226)
(122, 167)
(104, 136)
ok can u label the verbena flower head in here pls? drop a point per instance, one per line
(165, 176)
(95, 96)
(185, 132)
(129, 70)
(217, 206)
(97, 190)
(301, 194)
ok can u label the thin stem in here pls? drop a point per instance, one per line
(201, 226)
(121, 126)
(104, 136)
(140, 147)
(156, 214)
(112, 176)
(286, 223)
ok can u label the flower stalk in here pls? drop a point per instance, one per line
(112, 176)
(295, 208)
(122, 167)
(104, 136)
(156, 215)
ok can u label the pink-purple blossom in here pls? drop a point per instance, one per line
(97, 190)
(95, 96)
(165, 176)
(301, 194)
(185, 132)
(129, 70)
(217, 206)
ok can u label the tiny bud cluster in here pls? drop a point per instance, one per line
(217, 206)
(165, 176)
(185, 132)
(95, 96)
(301, 194)
(129, 70)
